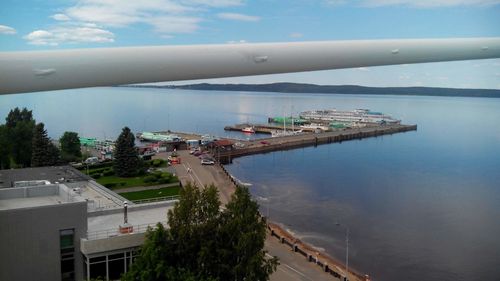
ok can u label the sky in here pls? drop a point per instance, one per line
(65, 24)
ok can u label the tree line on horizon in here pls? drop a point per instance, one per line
(286, 87)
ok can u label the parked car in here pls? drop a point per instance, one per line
(91, 160)
(207, 161)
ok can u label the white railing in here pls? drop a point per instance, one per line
(157, 199)
(107, 233)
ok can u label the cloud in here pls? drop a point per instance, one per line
(414, 3)
(60, 17)
(238, 17)
(77, 34)
(217, 3)
(296, 35)
(89, 20)
(237, 42)
(7, 30)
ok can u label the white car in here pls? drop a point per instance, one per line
(205, 161)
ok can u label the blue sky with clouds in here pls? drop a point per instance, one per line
(59, 24)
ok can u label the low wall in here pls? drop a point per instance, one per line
(327, 263)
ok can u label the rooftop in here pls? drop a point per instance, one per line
(37, 196)
(52, 174)
(106, 224)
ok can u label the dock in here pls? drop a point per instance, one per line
(265, 145)
(264, 128)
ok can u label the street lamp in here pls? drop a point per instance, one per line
(346, 250)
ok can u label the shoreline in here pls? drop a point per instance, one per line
(226, 185)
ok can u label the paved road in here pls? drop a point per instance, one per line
(203, 175)
(292, 266)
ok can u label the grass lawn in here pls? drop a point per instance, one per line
(155, 193)
(129, 182)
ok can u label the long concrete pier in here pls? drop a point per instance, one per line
(303, 140)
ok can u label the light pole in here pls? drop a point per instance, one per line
(346, 250)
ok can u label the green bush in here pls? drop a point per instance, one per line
(123, 183)
(157, 162)
(110, 184)
(149, 179)
(95, 176)
(163, 180)
(108, 173)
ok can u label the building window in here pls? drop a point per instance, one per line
(67, 245)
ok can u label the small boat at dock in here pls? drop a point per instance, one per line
(248, 130)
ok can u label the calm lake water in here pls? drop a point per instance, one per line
(421, 205)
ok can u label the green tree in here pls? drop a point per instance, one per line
(244, 232)
(5, 148)
(44, 152)
(70, 147)
(204, 243)
(126, 158)
(20, 124)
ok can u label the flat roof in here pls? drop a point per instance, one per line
(37, 196)
(19, 203)
(137, 215)
(53, 174)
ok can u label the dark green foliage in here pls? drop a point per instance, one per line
(19, 133)
(110, 184)
(148, 179)
(44, 152)
(108, 172)
(5, 147)
(70, 147)
(126, 163)
(204, 243)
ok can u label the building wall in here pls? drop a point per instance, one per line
(30, 240)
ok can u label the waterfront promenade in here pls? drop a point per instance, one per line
(293, 266)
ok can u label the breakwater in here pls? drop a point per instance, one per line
(304, 140)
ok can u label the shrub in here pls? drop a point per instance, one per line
(164, 180)
(110, 184)
(157, 162)
(108, 173)
(149, 179)
(95, 176)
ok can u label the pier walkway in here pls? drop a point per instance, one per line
(308, 139)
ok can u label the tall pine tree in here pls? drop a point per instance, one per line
(126, 157)
(20, 125)
(44, 152)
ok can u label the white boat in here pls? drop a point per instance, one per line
(315, 126)
(249, 130)
(353, 116)
(148, 136)
(284, 133)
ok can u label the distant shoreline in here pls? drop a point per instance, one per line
(333, 89)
